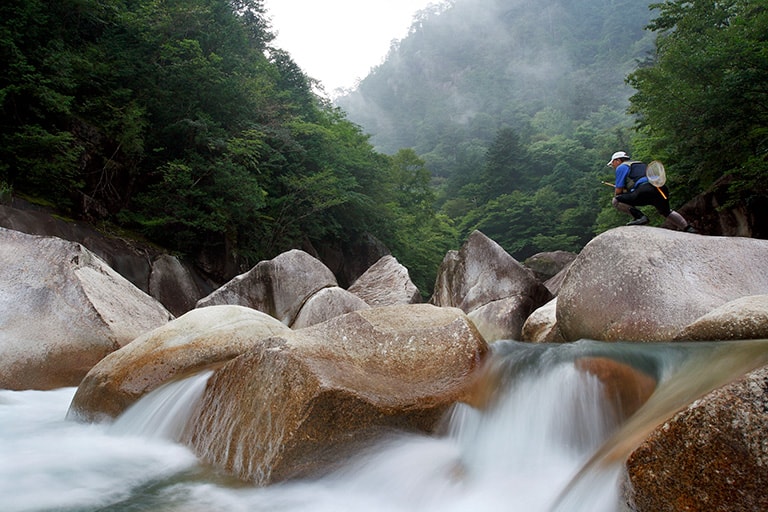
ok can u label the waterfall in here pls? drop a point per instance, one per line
(163, 413)
(547, 441)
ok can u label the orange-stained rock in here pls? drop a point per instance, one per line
(296, 403)
(625, 387)
(202, 338)
(713, 455)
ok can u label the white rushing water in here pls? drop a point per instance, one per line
(517, 456)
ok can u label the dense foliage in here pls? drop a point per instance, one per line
(515, 107)
(178, 119)
(703, 100)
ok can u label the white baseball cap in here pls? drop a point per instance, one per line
(618, 154)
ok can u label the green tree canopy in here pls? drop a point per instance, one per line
(703, 100)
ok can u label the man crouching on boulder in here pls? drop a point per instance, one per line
(633, 189)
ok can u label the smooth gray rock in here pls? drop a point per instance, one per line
(62, 309)
(386, 283)
(745, 318)
(278, 287)
(494, 289)
(640, 283)
(326, 304)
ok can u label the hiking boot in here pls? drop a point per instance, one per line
(690, 229)
(638, 222)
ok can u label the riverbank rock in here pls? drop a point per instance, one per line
(146, 266)
(711, 456)
(546, 265)
(202, 338)
(326, 304)
(541, 325)
(625, 388)
(278, 287)
(711, 213)
(386, 283)
(745, 318)
(642, 283)
(554, 283)
(299, 402)
(488, 284)
(173, 284)
(62, 309)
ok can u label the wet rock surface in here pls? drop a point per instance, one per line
(202, 338)
(712, 455)
(295, 404)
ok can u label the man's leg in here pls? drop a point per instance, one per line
(637, 215)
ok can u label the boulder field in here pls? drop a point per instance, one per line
(296, 404)
(305, 371)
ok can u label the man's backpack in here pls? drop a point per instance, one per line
(636, 171)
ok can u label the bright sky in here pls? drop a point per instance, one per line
(339, 41)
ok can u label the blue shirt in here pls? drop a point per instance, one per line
(622, 171)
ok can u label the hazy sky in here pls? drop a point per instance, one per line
(339, 41)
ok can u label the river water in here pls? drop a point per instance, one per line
(543, 445)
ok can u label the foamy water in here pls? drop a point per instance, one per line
(517, 456)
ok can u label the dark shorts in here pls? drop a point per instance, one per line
(647, 195)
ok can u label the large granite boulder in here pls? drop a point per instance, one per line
(62, 309)
(745, 318)
(494, 289)
(173, 284)
(712, 455)
(546, 265)
(326, 304)
(299, 402)
(386, 283)
(278, 287)
(203, 338)
(642, 283)
(541, 325)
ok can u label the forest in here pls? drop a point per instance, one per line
(180, 122)
(515, 107)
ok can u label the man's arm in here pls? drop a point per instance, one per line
(622, 172)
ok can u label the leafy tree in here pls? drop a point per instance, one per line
(421, 236)
(507, 167)
(702, 100)
(179, 120)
